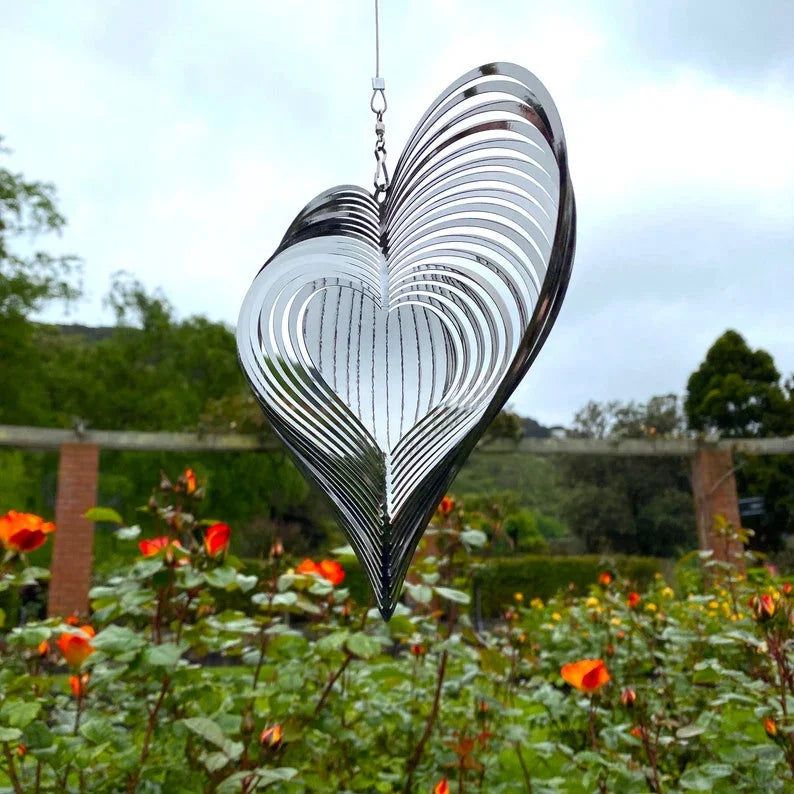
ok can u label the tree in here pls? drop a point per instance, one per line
(629, 505)
(28, 282)
(737, 392)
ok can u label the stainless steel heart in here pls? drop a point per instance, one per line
(382, 338)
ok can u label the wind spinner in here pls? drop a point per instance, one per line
(390, 327)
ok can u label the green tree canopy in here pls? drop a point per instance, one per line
(737, 391)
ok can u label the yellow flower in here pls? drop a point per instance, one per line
(536, 603)
(616, 621)
(651, 607)
(714, 605)
(667, 592)
(592, 602)
(519, 597)
(556, 616)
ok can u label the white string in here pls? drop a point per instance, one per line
(377, 41)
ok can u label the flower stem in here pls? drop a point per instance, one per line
(416, 756)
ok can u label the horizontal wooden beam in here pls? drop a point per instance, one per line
(52, 438)
(23, 437)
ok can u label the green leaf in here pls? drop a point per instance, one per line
(450, 594)
(224, 578)
(362, 646)
(19, 713)
(107, 514)
(97, 730)
(474, 538)
(117, 640)
(246, 583)
(690, 731)
(128, 533)
(38, 735)
(9, 734)
(212, 732)
(165, 655)
(421, 593)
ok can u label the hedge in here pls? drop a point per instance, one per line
(496, 582)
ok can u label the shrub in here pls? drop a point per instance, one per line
(494, 584)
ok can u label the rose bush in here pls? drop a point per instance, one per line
(197, 673)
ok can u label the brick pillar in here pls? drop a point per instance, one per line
(72, 555)
(714, 488)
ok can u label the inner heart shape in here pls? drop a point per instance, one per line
(381, 338)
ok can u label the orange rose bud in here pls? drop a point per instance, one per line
(331, 571)
(73, 620)
(770, 726)
(78, 684)
(271, 737)
(22, 750)
(23, 532)
(189, 478)
(586, 675)
(620, 635)
(216, 539)
(442, 787)
(417, 649)
(151, 546)
(763, 607)
(633, 599)
(308, 566)
(76, 647)
(605, 578)
(628, 697)
(276, 549)
(637, 732)
(44, 648)
(446, 506)
(786, 588)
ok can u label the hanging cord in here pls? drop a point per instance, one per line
(378, 106)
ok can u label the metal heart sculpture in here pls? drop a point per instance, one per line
(381, 339)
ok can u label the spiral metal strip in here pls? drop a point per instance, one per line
(382, 338)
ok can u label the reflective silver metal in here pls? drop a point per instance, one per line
(382, 338)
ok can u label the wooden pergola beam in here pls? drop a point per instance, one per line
(23, 437)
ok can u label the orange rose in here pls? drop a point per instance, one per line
(770, 726)
(332, 572)
(190, 481)
(76, 647)
(24, 532)
(78, 684)
(586, 675)
(763, 607)
(638, 732)
(44, 648)
(417, 649)
(442, 787)
(308, 566)
(216, 539)
(633, 599)
(605, 578)
(271, 737)
(628, 697)
(446, 506)
(151, 546)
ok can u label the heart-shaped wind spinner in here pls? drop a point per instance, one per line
(382, 338)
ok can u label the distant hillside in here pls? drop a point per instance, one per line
(86, 332)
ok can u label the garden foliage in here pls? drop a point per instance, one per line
(162, 689)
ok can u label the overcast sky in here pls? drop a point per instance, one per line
(184, 136)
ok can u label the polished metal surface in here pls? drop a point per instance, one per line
(382, 337)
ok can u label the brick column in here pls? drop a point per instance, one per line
(714, 489)
(72, 556)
